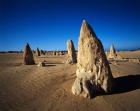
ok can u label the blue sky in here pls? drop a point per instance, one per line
(48, 24)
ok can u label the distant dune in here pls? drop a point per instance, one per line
(130, 54)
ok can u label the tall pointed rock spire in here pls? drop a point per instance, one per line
(28, 58)
(92, 65)
(112, 52)
(71, 53)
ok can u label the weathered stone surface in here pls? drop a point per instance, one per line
(28, 58)
(76, 88)
(42, 52)
(37, 52)
(92, 66)
(112, 53)
(71, 53)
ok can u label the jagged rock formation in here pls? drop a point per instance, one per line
(112, 53)
(28, 58)
(37, 52)
(42, 52)
(93, 70)
(71, 53)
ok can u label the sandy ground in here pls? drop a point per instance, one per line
(32, 88)
(130, 54)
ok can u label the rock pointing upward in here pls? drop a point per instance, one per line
(37, 52)
(28, 56)
(93, 70)
(71, 52)
(112, 52)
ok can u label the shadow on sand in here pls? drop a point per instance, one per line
(54, 63)
(126, 84)
(48, 65)
(121, 85)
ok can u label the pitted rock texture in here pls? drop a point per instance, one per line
(93, 70)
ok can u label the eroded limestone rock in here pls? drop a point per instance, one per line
(28, 58)
(93, 70)
(71, 53)
(37, 52)
(112, 53)
(42, 52)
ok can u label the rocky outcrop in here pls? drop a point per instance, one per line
(42, 52)
(37, 52)
(112, 53)
(93, 70)
(28, 58)
(71, 53)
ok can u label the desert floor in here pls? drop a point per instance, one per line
(32, 88)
